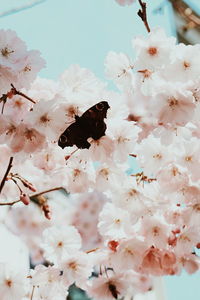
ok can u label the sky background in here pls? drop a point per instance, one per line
(83, 32)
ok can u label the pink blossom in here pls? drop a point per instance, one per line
(107, 288)
(61, 242)
(118, 66)
(159, 262)
(77, 269)
(174, 107)
(13, 284)
(114, 222)
(154, 51)
(27, 139)
(155, 231)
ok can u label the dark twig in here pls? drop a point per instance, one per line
(16, 92)
(6, 174)
(3, 99)
(142, 13)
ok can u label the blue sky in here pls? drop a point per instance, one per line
(83, 31)
(78, 31)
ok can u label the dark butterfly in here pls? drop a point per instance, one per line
(90, 124)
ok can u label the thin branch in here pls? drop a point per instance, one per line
(32, 197)
(9, 203)
(46, 191)
(16, 92)
(142, 13)
(42, 201)
(32, 292)
(21, 8)
(6, 174)
(3, 99)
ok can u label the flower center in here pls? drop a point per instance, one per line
(44, 118)
(60, 244)
(29, 134)
(186, 65)
(27, 68)
(8, 282)
(117, 221)
(152, 51)
(188, 158)
(73, 265)
(6, 52)
(132, 192)
(104, 172)
(158, 156)
(172, 102)
(155, 231)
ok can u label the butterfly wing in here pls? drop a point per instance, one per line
(93, 119)
(97, 112)
(90, 124)
(75, 134)
(66, 139)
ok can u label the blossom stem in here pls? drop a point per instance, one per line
(6, 174)
(47, 191)
(142, 13)
(9, 203)
(16, 92)
(32, 292)
(32, 197)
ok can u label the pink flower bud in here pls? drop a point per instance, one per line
(47, 211)
(25, 198)
(31, 187)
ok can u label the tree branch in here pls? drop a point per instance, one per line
(33, 197)
(21, 8)
(142, 13)
(16, 92)
(47, 191)
(6, 174)
(9, 203)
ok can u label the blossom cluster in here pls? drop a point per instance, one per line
(111, 228)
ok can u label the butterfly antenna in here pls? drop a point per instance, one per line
(68, 156)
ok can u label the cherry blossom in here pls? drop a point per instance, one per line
(127, 208)
(13, 284)
(60, 242)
